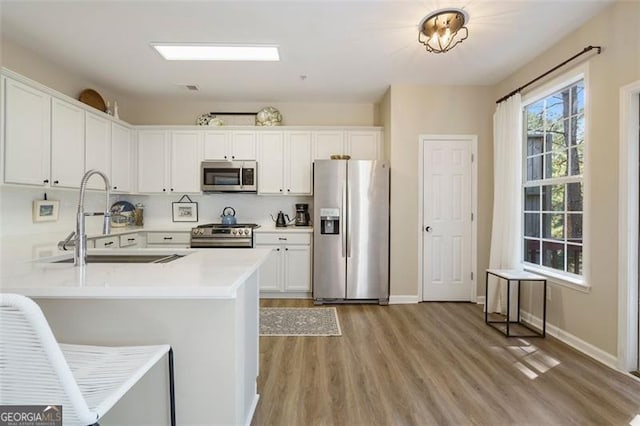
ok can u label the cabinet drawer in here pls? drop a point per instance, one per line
(129, 240)
(108, 242)
(284, 238)
(168, 238)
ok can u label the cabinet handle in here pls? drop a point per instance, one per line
(115, 187)
(288, 190)
(164, 190)
(131, 239)
(108, 244)
(233, 157)
(282, 239)
(168, 238)
(55, 182)
(286, 249)
(281, 190)
(225, 157)
(277, 249)
(171, 189)
(46, 181)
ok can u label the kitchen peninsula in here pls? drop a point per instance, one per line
(205, 305)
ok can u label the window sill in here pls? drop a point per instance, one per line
(560, 279)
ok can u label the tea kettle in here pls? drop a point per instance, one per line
(280, 221)
(228, 216)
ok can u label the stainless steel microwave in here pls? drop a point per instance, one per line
(229, 176)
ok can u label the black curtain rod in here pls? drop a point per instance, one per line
(519, 89)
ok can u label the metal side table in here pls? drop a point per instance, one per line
(515, 276)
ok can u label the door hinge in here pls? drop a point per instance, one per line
(471, 216)
(471, 276)
(472, 158)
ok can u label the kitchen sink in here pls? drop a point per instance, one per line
(127, 258)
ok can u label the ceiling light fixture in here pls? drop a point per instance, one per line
(443, 30)
(216, 52)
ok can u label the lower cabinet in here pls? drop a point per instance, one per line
(130, 241)
(288, 268)
(168, 239)
(107, 242)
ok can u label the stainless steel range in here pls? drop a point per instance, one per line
(216, 235)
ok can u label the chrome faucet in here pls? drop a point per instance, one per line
(80, 236)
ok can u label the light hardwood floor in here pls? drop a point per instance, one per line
(433, 364)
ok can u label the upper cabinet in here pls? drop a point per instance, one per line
(67, 144)
(229, 145)
(52, 141)
(359, 144)
(97, 148)
(284, 162)
(27, 134)
(169, 161)
(121, 162)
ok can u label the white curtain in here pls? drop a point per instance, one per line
(506, 244)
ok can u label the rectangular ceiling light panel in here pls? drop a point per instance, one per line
(216, 52)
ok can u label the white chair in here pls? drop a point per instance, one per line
(86, 380)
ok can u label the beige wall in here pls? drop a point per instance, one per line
(136, 110)
(384, 119)
(593, 317)
(416, 110)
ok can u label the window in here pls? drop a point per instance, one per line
(553, 180)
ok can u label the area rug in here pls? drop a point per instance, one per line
(299, 322)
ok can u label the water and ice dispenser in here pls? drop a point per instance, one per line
(330, 221)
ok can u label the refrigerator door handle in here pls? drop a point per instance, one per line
(343, 221)
(348, 225)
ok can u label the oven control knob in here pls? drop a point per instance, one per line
(241, 232)
(202, 232)
(194, 232)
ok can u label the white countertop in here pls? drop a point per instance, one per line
(202, 273)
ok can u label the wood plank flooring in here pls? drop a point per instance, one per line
(433, 364)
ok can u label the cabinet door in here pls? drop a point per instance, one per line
(271, 163)
(67, 144)
(243, 145)
(363, 145)
(97, 145)
(185, 161)
(298, 163)
(216, 144)
(27, 122)
(297, 268)
(327, 143)
(120, 158)
(271, 270)
(152, 161)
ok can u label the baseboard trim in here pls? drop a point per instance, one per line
(480, 300)
(573, 341)
(403, 300)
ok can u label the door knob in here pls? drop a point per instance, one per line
(428, 229)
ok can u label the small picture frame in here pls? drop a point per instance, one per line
(45, 210)
(185, 211)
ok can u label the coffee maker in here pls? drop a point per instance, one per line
(302, 215)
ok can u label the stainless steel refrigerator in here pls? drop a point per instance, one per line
(351, 231)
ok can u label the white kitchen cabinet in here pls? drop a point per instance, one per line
(364, 144)
(121, 164)
(112, 241)
(169, 239)
(168, 161)
(97, 148)
(298, 162)
(327, 143)
(27, 134)
(284, 163)
(288, 267)
(130, 240)
(359, 144)
(67, 144)
(152, 161)
(229, 145)
(185, 158)
(271, 163)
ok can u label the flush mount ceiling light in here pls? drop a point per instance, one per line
(443, 30)
(216, 52)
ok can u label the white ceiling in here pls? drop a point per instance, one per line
(350, 51)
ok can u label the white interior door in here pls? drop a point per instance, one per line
(447, 211)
